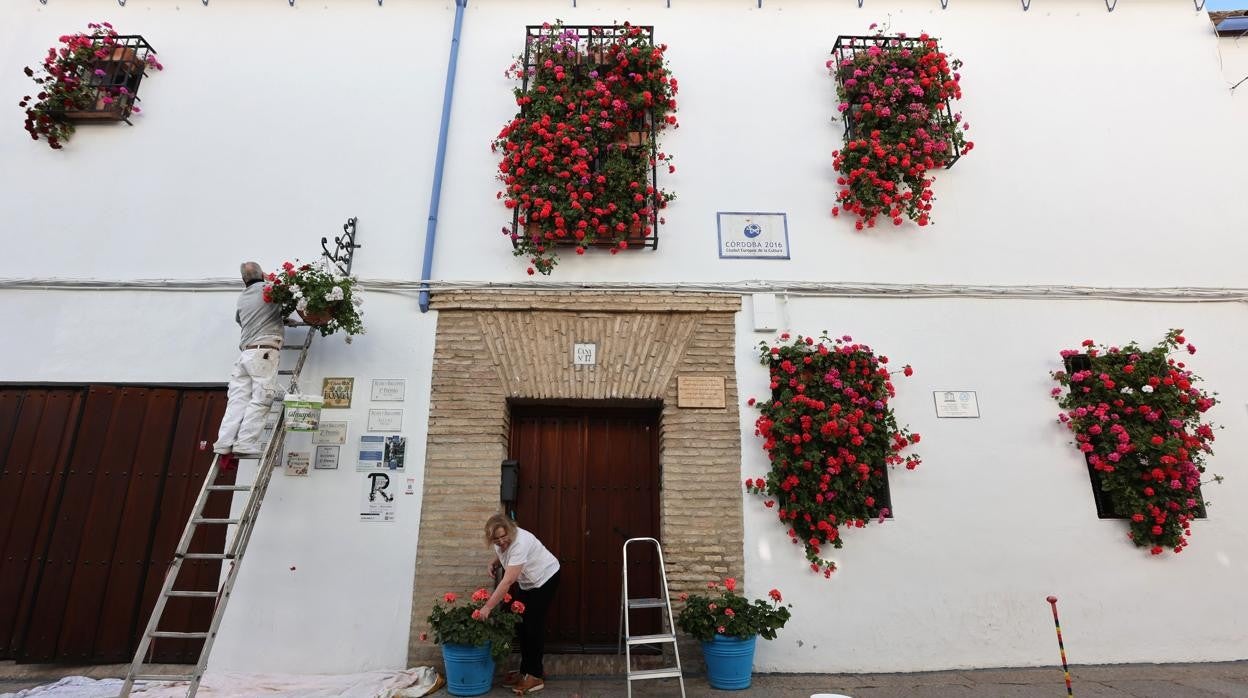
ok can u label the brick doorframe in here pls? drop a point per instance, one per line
(495, 346)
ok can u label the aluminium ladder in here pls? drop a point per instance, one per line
(269, 458)
(628, 640)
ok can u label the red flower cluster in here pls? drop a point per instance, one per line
(578, 160)
(894, 92)
(830, 433)
(1136, 417)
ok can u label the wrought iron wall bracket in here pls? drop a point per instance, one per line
(1026, 5)
(944, 4)
(343, 255)
(1199, 7)
(1110, 7)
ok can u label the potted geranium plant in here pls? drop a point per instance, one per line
(470, 645)
(728, 624)
(830, 436)
(319, 294)
(580, 158)
(894, 94)
(1137, 417)
(89, 77)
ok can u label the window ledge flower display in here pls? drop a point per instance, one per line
(90, 77)
(319, 294)
(895, 94)
(470, 645)
(830, 435)
(580, 160)
(1137, 417)
(728, 625)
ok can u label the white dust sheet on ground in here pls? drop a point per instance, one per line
(409, 683)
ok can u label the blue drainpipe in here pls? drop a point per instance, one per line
(448, 94)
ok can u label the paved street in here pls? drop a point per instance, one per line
(1223, 680)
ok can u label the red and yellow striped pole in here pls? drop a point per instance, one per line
(1061, 647)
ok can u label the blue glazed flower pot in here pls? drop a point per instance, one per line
(469, 669)
(729, 662)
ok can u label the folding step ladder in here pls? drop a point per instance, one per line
(628, 640)
(245, 523)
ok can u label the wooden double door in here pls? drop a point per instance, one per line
(96, 484)
(589, 480)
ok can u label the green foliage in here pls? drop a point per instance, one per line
(730, 614)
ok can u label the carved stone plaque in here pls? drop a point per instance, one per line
(700, 391)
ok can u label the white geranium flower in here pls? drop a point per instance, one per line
(1125, 389)
(1146, 388)
(357, 300)
(302, 305)
(296, 291)
(335, 294)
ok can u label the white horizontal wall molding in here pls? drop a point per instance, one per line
(830, 289)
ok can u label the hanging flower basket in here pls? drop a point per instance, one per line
(895, 93)
(322, 297)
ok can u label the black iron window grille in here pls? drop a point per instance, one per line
(110, 83)
(847, 48)
(586, 49)
(1105, 506)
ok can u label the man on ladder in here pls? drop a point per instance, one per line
(253, 383)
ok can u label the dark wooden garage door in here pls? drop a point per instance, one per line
(96, 483)
(589, 478)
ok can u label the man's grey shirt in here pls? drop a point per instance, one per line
(259, 321)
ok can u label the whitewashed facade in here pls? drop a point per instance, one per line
(1108, 154)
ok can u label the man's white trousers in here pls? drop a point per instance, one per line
(253, 385)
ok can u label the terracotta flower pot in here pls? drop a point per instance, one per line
(319, 318)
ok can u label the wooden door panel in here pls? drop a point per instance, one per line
(89, 467)
(199, 415)
(586, 478)
(142, 474)
(36, 433)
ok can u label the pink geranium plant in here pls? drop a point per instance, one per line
(459, 622)
(86, 73)
(894, 93)
(1138, 417)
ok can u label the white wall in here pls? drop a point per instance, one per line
(1101, 138)
(1000, 513)
(1107, 153)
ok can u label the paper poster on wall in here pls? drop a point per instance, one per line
(372, 452)
(337, 392)
(297, 463)
(961, 404)
(389, 389)
(385, 420)
(326, 458)
(331, 433)
(377, 492)
(378, 452)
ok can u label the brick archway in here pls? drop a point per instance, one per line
(492, 347)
